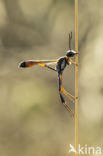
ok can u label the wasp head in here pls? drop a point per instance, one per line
(71, 53)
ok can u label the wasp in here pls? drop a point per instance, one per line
(61, 64)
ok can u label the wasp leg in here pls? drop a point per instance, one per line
(73, 62)
(62, 98)
(70, 97)
(45, 65)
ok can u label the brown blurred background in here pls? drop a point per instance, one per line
(33, 121)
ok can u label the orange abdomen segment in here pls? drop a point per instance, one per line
(27, 64)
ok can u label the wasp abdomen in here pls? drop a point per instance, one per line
(27, 64)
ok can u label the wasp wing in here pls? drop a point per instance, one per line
(30, 63)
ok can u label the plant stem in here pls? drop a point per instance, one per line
(76, 77)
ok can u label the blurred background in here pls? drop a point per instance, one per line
(33, 122)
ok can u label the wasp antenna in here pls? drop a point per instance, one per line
(70, 38)
(69, 42)
(71, 35)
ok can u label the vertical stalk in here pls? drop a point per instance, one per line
(76, 77)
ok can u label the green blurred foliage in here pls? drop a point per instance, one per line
(32, 118)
